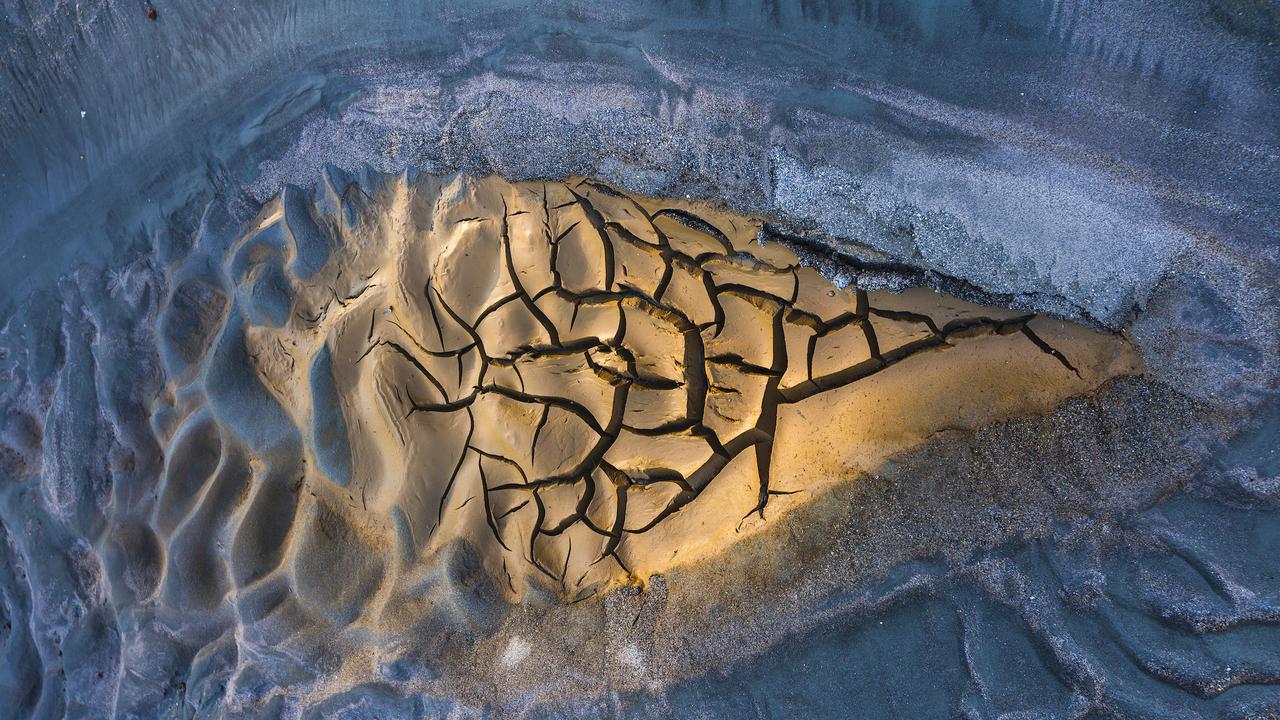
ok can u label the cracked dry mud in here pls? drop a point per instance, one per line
(578, 386)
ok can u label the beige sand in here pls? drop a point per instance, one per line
(590, 388)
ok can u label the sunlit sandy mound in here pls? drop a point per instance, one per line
(544, 386)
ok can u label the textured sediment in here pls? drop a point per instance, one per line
(965, 528)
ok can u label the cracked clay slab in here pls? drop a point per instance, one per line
(580, 387)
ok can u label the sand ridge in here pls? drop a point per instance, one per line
(548, 387)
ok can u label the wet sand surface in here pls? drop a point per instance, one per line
(412, 444)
